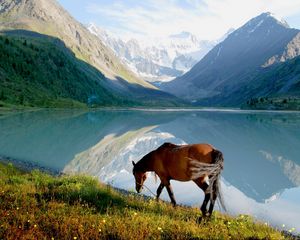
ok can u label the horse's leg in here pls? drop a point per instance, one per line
(214, 197)
(203, 185)
(159, 189)
(170, 192)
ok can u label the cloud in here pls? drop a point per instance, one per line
(209, 19)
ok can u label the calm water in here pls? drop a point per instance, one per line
(262, 152)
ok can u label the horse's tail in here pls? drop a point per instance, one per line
(215, 186)
(213, 170)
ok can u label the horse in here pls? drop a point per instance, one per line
(201, 163)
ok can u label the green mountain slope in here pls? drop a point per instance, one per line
(41, 71)
(49, 18)
(37, 70)
(276, 87)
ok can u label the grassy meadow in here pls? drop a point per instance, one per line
(36, 205)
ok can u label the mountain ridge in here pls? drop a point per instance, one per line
(47, 17)
(236, 61)
(167, 59)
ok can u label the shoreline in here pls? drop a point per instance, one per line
(158, 109)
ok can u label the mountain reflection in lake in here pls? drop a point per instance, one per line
(261, 150)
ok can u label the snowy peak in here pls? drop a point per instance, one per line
(184, 36)
(181, 35)
(261, 42)
(163, 60)
(268, 17)
(278, 20)
(265, 21)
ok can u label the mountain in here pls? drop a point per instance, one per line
(276, 87)
(37, 70)
(164, 61)
(235, 63)
(49, 18)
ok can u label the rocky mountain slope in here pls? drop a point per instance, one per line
(167, 59)
(49, 18)
(230, 69)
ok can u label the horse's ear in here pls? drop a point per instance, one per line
(133, 163)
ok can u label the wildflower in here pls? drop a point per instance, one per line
(283, 225)
(135, 214)
(28, 220)
(103, 220)
(159, 229)
(35, 225)
(242, 216)
(18, 208)
(99, 230)
(75, 238)
(266, 223)
(52, 238)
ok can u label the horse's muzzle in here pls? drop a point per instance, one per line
(138, 189)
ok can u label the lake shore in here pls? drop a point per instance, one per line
(37, 204)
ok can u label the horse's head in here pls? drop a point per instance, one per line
(139, 176)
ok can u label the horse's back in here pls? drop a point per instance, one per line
(195, 151)
(175, 159)
(201, 152)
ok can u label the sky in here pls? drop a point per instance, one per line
(148, 19)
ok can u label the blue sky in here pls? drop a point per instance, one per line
(208, 19)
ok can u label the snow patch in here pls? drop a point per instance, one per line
(257, 26)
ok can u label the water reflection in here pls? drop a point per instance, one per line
(262, 165)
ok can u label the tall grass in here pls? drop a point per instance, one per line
(36, 205)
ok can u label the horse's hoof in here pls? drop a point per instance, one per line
(199, 220)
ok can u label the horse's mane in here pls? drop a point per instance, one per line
(167, 145)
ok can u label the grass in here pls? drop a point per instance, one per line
(35, 205)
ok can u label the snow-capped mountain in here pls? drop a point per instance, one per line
(236, 69)
(167, 59)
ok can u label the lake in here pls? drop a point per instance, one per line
(261, 176)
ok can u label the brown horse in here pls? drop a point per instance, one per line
(200, 163)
